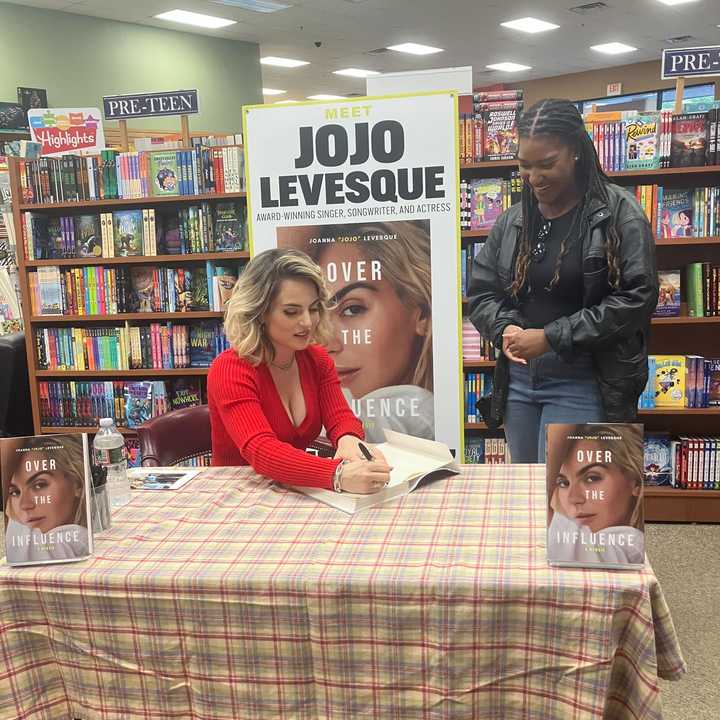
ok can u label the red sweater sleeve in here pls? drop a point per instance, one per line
(337, 417)
(233, 390)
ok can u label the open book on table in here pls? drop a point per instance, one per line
(412, 459)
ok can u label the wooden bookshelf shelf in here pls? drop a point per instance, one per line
(476, 426)
(178, 259)
(664, 504)
(489, 164)
(686, 320)
(680, 411)
(701, 170)
(475, 233)
(120, 317)
(472, 364)
(139, 202)
(679, 241)
(49, 430)
(121, 373)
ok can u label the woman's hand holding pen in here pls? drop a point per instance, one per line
(364, 476)
(365, 470)
(348, 448)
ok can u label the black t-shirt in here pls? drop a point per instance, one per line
(541, 306)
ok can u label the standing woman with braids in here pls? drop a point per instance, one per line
(566, 285)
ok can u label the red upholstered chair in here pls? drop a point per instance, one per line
(175, 437)
(183, 434)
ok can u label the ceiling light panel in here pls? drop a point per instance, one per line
(530, 25)
(415, 49)
(356, 72)
(282, 62)
(613, 48)
(197, 19)
(261, 6)
(508, 67)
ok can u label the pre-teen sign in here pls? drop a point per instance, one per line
(66, 130)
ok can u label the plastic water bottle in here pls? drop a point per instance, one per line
(109, 452)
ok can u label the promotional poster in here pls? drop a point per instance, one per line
(595, 474)
(66, 130)
(368, 188)
(46, 498)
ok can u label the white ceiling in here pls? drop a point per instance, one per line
(468, 30)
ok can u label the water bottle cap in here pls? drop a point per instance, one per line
(106, 422)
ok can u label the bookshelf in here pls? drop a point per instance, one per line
(123, 319)
(672, 335)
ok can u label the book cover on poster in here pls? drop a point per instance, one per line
(379, 278)
(595, 474)
(46, 486)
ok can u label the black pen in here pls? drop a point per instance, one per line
(365, 451)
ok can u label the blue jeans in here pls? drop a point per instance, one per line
(548, 390)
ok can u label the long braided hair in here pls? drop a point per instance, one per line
(561, 119)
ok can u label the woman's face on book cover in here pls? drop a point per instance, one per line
(376, 333)
(593, 492)
(41, 495)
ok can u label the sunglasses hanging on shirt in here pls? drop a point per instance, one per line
(539, 249)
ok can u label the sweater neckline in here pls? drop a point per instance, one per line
(300, 358)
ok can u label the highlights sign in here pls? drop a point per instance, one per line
(66, 130)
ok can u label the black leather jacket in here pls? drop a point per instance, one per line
(613, 325)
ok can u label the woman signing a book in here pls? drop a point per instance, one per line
(273, 391)
(566, 285)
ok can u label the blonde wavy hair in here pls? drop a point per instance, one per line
(253, 295)
(405, 263)
(627, 454)
(69, 459)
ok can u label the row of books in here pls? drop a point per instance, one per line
(689, 463)
(702, 291)
(489, 126)
(155, 346)
(681, 381)
(483, 199)
(174, 141)
(71, 403)
(632, 140)
(131, 175)
(680, 212)
(129, 233)
(475, 347)
(486, 451)
(98, 290)
(476, 385)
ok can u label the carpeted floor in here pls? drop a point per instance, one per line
(686, 560)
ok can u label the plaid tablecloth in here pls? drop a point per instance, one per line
(236, 598)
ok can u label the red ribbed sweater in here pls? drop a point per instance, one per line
(250, 425)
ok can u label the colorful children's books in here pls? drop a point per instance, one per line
(128, 232)
(164, 175)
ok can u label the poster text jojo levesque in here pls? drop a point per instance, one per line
(384, 142)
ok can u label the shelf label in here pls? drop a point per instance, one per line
(691, 62)
(126, 107)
